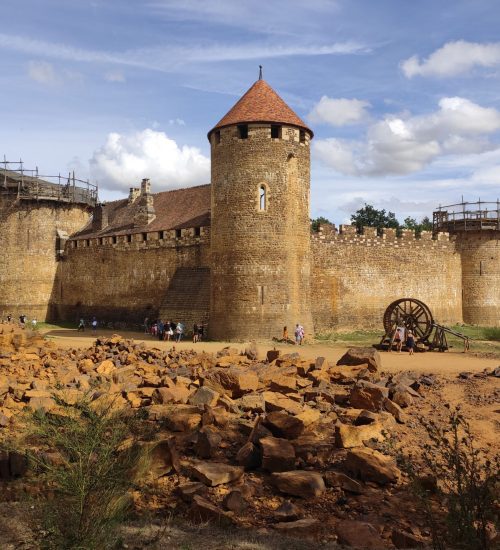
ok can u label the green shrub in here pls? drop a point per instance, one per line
(89, 476)
(492, 333)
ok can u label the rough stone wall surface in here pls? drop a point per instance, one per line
(355, 277)
(260, 258)
(28, 240)
(122, 281)
(480, 276)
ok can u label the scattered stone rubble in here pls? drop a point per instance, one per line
(281, 443)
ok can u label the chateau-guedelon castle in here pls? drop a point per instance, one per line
(237, 254)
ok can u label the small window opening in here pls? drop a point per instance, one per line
(129, 238)
(144, 236)
(261, 294)
(161, 235)
(217, 137)
(178, 233)
(113, 239)
(275, 131)
(87, 242)
(197, 231)
(101, 240)
(243, 131)
(302, 135)
(262, 198)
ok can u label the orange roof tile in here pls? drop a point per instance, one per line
(176, 209)
(261, 104)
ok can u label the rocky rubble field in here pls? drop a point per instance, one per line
(281, 444)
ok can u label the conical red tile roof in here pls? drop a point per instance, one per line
(261, 104)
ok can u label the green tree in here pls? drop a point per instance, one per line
(317, 222)
(368, 216)
(411, 223)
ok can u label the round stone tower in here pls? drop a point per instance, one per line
(36, 217)
(477, 230)
(260, 227)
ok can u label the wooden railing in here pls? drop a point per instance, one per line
(30, 185)
(467, 216)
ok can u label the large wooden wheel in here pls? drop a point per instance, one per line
(410, 313)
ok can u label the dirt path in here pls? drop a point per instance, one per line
(450, 363)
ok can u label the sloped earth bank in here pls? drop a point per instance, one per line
(273, 446)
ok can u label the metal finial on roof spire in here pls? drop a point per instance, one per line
(260, 72)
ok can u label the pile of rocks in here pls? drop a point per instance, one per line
(283, 443)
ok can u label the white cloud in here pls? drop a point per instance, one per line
(338, 112)
(452, 59)
(126, 159)
(114, 76)
(404, 144)
(177, 122)
(42, 72)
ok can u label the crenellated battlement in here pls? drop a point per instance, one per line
(369, 236)
(172, 238)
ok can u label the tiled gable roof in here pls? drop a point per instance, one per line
(177, 209)
(261, 104)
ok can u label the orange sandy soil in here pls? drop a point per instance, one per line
(449, 363)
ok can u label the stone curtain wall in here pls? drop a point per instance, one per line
(355, 277)
(28, 237)
(481, 276)
(123, 281)
(261, 259)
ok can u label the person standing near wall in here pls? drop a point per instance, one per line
(81, 325)
(94, 325)
(179, 330)
(299, 334)
(410, 342)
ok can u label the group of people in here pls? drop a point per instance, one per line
(94, 324)
(299, 334)
(170, 330)
(23, 321)
(403, 336)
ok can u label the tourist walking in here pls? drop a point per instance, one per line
(299, 334)
(398, 338)
(161, 330)
(81, 325)
(200, 332)
(195, 333)
(94, 325)
(410, 342)
(146, 325)
(179, 330)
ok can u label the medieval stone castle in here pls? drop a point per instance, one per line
(237, 254)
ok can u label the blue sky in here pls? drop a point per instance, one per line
(403, 96)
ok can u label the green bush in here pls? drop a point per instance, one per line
(492, 333)
(89, 471)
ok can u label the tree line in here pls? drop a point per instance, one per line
(369, 216)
